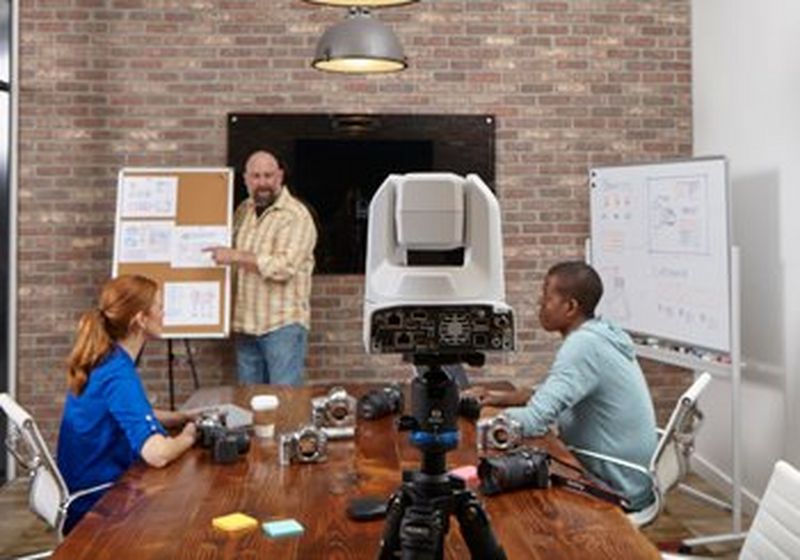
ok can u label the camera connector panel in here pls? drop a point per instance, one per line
(444, 329)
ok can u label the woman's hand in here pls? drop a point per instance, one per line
(189, 432)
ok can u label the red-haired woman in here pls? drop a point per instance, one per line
(108, 422)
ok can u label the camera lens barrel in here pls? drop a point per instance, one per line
(523, 468)
(381, 402)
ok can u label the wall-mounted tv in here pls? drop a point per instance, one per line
(336, 162)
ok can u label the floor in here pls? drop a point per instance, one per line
(23, 533)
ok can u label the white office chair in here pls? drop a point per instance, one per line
(670, 461)
(775, 531)
(48, 496)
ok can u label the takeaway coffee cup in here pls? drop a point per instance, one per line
(265, 409)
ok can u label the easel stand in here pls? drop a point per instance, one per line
(732, 371)
(170, 365)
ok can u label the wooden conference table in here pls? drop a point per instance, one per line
(166, 513)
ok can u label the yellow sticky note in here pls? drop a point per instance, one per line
(234, 522)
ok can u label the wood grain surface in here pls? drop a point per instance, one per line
(166, 513)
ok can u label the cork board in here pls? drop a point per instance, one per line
(164, 216)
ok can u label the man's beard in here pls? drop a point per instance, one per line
(264, 201)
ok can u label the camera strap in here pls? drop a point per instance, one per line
(584, 486)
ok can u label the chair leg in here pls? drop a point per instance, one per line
(713, 539)
(35, 556)
(700, 495)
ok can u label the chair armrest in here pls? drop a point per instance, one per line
(610, 459)
(85, 492)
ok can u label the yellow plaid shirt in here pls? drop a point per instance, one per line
(283, 239)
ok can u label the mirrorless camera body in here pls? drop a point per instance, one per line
(498, 432)
(226, 444)
(521, 468)
(309, 444)
(381, 402)
(335, 413)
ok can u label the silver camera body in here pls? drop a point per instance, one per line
(498, 432)
(307, 445)
(335, 413)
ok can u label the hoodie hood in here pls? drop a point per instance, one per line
(618, 338)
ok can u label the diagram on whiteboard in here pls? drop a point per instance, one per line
(660, 242)
(678, 208)
(615, 297)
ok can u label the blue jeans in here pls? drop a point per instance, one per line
(276, 357)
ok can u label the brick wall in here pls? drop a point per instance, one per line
(112, 83)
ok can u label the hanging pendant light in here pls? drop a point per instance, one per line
(359, 45)
(363, 3)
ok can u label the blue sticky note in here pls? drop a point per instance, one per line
(282, 528)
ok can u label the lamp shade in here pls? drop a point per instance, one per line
(364, 3)
(359, 45)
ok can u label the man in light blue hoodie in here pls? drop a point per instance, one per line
(595, 392)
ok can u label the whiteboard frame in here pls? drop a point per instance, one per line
(688, 341)
(227, 288)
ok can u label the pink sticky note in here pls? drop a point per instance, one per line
(468, 473)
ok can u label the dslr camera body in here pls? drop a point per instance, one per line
(498, 432)
(381, 402)
(309, 444)
(226, 444)
(335, 414)
(521, 468)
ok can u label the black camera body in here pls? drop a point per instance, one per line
(381, 402)
(521, 468)
(226, 444)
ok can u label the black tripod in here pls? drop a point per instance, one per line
(418, 516)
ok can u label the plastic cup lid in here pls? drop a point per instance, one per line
(264, 402)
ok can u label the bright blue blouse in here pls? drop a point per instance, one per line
(104, 429)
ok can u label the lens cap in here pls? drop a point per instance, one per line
(367, 508)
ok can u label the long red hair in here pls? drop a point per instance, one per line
(120, 300)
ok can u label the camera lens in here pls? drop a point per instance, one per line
(337, 411)
(524, 468)
(500, 436)
(307, 446)
(381, 402)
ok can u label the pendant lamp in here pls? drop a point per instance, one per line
(360, 44)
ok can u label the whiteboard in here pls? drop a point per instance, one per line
(660, 240)
(165, 217)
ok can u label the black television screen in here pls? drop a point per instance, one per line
(336, 163)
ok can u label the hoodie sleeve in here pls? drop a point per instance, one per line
(570, 379)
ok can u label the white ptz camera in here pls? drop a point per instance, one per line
(434, 268)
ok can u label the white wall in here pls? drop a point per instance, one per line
(746, 89)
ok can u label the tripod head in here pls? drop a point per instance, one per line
(435, 407)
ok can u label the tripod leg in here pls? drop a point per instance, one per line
(422, 533)
(390, 541)
(190, 359)
(475, 528)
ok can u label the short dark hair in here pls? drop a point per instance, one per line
(579, 281)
